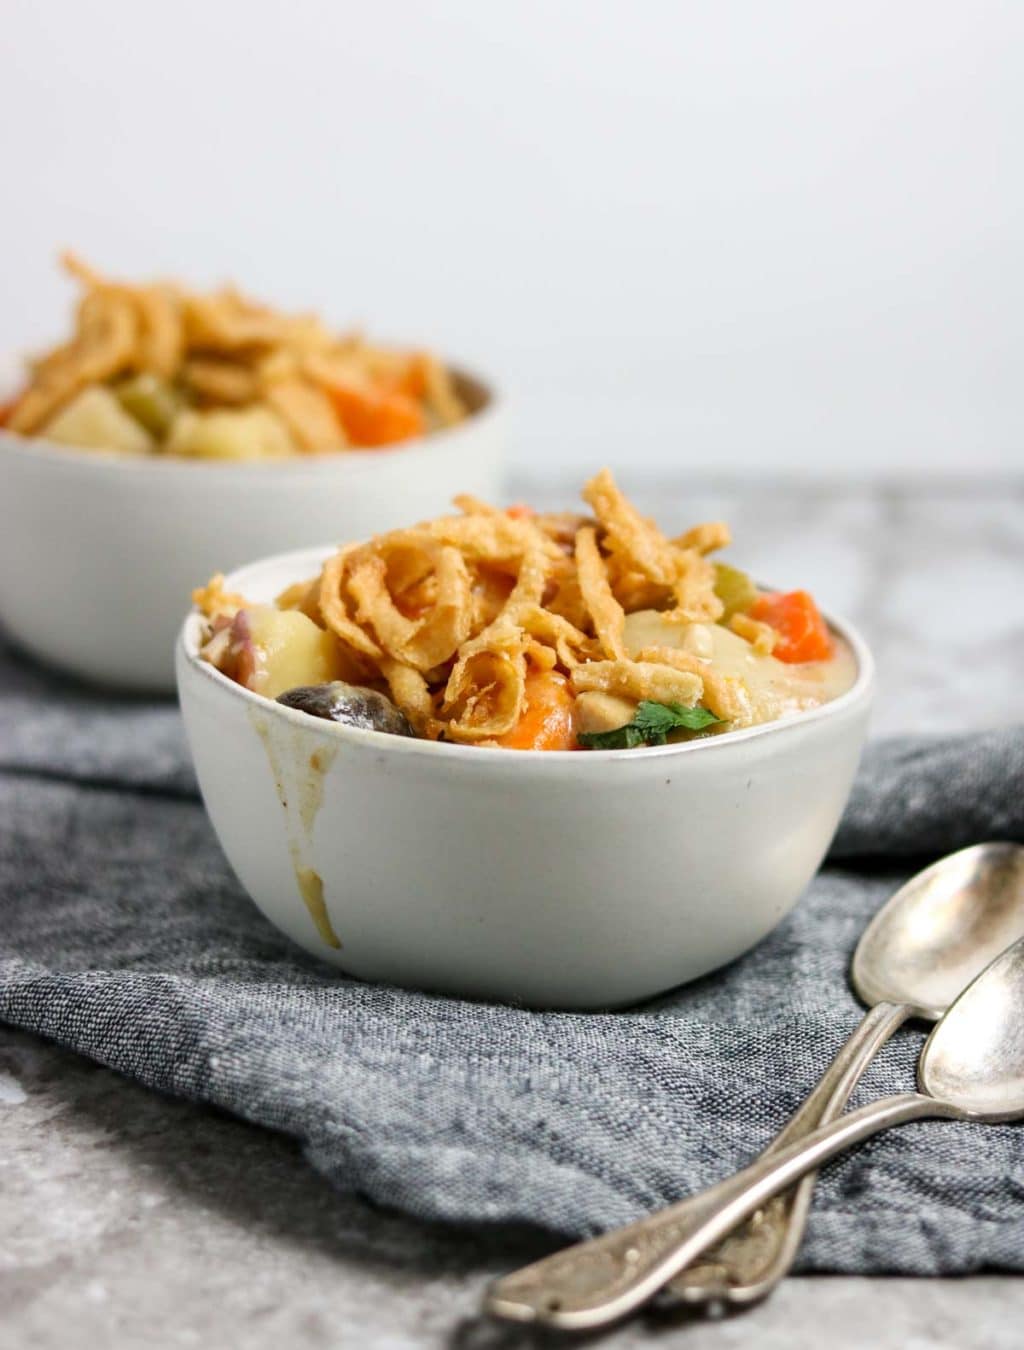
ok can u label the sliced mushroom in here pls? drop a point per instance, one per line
(351, 704)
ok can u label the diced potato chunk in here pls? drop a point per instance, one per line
(250, 433)
(649, 628)
(603, 712)
(95, 420)
(282, 649)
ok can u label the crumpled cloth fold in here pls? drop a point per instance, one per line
(126, 937)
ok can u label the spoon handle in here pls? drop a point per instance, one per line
(750, 1262)
(594, 1283)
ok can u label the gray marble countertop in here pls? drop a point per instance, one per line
(130, 1220)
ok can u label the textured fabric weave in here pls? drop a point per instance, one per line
(126, 937)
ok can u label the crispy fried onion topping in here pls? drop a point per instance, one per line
(223, 351)
(450, 616)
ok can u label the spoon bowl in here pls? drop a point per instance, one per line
(936, 933)
(972, 1068)
(974, 1059)
(942, 929)
(946, 927)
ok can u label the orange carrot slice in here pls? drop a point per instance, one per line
(549, 719)
(373, 416)
(803, 635)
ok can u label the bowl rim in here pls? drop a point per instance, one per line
(859, 692)
(354, 460)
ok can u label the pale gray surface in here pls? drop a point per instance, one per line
(128, 1220)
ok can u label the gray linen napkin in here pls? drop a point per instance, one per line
(126, 937)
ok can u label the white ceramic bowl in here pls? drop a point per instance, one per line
(558, 879)
(99, 552)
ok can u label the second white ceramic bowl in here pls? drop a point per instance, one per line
(556, 879)
(99, 552)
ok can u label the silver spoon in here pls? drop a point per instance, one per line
(932, 938)
(949, 919)
(971, 1068)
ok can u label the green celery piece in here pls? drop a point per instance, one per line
(735, 589)
(151, 401)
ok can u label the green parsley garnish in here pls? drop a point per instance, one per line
(651, 725)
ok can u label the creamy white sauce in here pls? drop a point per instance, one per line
(775, 688)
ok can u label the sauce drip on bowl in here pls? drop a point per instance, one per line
(299, 780)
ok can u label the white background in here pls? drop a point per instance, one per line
(775, 236)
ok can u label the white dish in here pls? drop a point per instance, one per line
(558, 879)
(98, 551)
